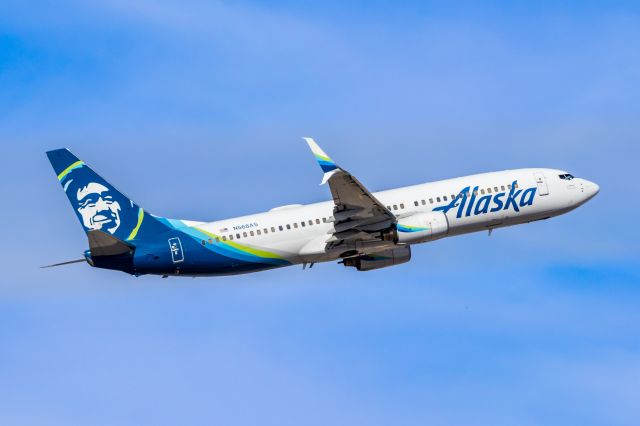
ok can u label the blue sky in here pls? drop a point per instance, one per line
(196, 110)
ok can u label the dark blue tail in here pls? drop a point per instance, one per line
(98, 205)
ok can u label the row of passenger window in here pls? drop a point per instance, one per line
(310, 222)
(265, 231)
(483, 191)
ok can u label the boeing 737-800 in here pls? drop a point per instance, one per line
(359, 228)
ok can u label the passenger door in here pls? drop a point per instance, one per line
(543, 188)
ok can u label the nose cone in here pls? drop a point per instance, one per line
(591, 189)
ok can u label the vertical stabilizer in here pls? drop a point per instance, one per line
(98, 205)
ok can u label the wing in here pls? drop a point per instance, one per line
(358, 215)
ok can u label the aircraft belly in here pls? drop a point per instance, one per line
(189, 253)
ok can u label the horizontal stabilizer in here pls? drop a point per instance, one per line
(64, 263)
(104, 244)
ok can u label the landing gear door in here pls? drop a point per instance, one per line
(543, 189)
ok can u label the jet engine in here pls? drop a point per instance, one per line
(391, 257)
(419, 227)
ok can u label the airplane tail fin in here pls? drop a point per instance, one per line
(99, 205)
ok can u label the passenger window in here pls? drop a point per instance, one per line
(295, 225)
(388, 207)
(310, 222)
(258, 232)
(423, 202)
(288, 226)
(217, 239)
(509, 186)
(244, 234)
(210, 241)
(475, 192)
(317, 221)
(324, 220)
(430, 200)
(273, 229)
(224, 238)
(204, 242)
(481, 191)
(502, 187)
(303, 224)
(445, 198)
(238, 236)
(438, 199)
(402, 205)
(395, 207)
(230, 237)
(265, 230)
(280, 227)
(252, 233)
(489, 190)
(495, 189)
(415, 203)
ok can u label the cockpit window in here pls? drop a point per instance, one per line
(566, 176)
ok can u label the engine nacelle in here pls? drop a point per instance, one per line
(421, 227)
(368, 262)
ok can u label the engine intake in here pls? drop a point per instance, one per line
(421, 227)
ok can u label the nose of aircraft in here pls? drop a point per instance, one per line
(591, 189)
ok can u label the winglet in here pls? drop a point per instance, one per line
(326, 163)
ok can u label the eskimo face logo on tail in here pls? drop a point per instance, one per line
(98, 208)
(467, 206)
(94, 201)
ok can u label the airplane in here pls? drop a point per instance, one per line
(361, 229)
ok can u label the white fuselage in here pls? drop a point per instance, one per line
(299, 233)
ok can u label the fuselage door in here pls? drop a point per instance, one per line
(543, 188)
